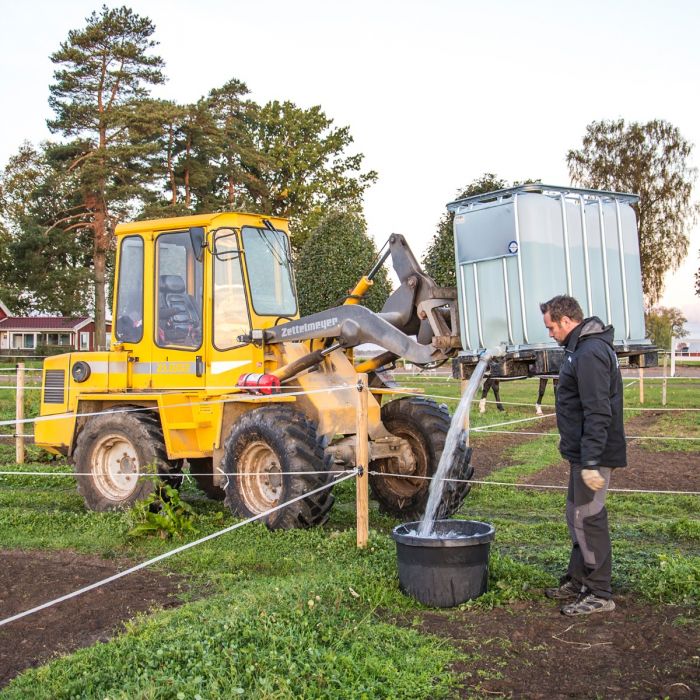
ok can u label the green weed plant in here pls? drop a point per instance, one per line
(162, 513)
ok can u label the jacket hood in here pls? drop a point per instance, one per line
(589, 328)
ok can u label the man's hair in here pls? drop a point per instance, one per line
(562, 305)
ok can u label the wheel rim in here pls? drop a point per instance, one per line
(402, 488)
(259, 476)
(115, 467)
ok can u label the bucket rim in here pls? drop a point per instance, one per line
(402, 537)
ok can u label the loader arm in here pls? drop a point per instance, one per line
(353, 325)
(417, 308)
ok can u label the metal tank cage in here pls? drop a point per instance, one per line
(539, 361)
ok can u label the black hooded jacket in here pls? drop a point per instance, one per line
(589, 398)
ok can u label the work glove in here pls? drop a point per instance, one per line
(593, 479)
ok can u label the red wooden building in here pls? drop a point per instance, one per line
(28, 334)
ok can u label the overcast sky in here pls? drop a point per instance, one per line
(435, 93)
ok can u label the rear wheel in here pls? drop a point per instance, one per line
(113, 453)
(263, 455)
(424, 425)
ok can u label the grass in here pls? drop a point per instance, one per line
(304, 614)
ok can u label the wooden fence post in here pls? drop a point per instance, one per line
(641, 385)
(664, 382)
(362, 463)
(19, 426)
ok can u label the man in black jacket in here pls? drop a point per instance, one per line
(592, 439)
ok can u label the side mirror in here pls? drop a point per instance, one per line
(197, 239)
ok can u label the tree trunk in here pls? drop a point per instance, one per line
(187, 173)
(100, 248)
(171, 171)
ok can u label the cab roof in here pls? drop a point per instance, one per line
(178, 223)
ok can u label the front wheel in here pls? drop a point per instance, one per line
(424, 425)
(113, 453)
(272, 455)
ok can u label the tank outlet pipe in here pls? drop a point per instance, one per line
(461, 417)
(306, 362)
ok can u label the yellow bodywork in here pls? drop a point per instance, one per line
(193, 389)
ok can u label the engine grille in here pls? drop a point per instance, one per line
(54, 386)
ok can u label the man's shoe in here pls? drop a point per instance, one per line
(567, 591)
(587, 604)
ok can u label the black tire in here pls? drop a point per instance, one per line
(202, 470)
(424, 424)
(111, 450)
(277, 440)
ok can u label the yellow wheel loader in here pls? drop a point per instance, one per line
(211, 365)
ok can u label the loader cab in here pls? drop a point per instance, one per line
(190, 290)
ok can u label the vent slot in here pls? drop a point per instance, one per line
(54, 386)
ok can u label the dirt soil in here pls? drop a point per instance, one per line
(28, 579)
(530, 650)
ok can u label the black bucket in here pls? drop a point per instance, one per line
(447, 568)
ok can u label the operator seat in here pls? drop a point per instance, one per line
(178, 316)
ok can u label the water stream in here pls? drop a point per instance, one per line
(460, 425)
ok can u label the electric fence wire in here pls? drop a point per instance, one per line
(345, 471)
(172, 552)
(442, 397)
(177, 475)
(272, 397)
(447, 377)
(520, 485)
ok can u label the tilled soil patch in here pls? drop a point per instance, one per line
(530, 650)
(28, 579)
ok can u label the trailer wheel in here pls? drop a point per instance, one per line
(262, 455)
(424, 424)
(112, 453)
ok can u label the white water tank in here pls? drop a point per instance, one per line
(521, 246)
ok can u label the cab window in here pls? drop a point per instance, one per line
(129, 309)
(268, 262)
(179, 292)
(230, 309)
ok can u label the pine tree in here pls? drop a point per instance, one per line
(105, 68)
(238, 162)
